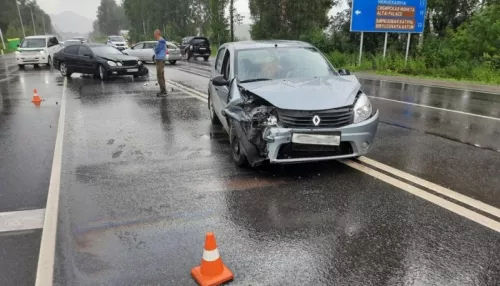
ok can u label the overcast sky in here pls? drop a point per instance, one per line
(88, 8)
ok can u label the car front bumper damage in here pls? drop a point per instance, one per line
(274, 144)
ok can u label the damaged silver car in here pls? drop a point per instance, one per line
(283, 102)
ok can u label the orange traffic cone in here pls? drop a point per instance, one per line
(212, 271)
(36, 98)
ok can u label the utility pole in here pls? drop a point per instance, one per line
(43, 21)
(231, 16)
(20, 18)
(33, 20)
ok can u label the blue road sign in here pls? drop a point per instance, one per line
(394, 16)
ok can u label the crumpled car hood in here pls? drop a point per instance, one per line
(117, 58)
(307, 94)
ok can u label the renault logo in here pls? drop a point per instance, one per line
(316, 120)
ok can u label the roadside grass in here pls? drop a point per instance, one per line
(394, 65)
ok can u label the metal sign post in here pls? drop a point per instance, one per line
(20, 19)
(3, 43)
(407, 48)
(385, 44)
(361, 48)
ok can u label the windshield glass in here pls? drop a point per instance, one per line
(33, 43)
(106, 50)
(281, 63)
(67, 43)
(117, 39)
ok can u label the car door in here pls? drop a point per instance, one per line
(223, 67)
(136, 50)
(71, 57)
(148, 51)
(86, 61)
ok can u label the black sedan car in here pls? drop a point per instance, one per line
(102, 61)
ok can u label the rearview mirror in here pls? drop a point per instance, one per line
(344, 72)
(220, 81)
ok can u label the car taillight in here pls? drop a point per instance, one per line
(166, 52)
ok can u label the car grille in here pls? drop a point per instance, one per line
(120, 45)
(331, 118)
(298, 151)
(129, 63)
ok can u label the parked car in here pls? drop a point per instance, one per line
(36, 50)
(117, 42)
(283, 102)
(71, 42)
(145, 52)
(102, 61)
(195, 47)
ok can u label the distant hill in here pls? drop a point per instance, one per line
(70, 22)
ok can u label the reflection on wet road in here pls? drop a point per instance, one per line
(143, 178)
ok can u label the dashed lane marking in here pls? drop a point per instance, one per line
(21, 220)
(462, 211)
(45, 269)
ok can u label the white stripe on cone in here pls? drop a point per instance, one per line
(211, 255)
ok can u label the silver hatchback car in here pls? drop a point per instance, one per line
(283, 102)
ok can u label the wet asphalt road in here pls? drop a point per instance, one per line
(144, 178)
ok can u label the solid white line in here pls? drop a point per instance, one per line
(476, 217)
(483, 220)
(45, 269)
(21, 220)
(5, 79)
(429, 85)
(189, 91)
(434, 187)
(437, 108)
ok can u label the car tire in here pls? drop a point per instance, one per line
(103, 73)
(239, 159)
(49, 61)
(36, 66)
(21, 66)
(64, 70)
(206, 58)
(189, 55)
(213, 117)
(154, 60)
(172, 62)
(136, 75)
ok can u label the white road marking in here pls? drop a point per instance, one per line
(189, 91)
(462, 211)
(6, 79)
(21, 220)
(428, 85)
(437, 108)
(434, 187)
(45, 270)
(483, 220)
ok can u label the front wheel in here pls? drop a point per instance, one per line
(237, 154)
(21, 66)
(172, 62)
(206, 58)
(49, 62)
(103, 73)
(64, 70)
(189, 55)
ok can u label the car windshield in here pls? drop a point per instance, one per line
(281, 63)
(106, 50)
(117, 39)
(68, 43)
(33, 43)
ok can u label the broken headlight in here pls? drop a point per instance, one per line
(271, 121)
(362, 108)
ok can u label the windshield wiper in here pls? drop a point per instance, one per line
(254, 80)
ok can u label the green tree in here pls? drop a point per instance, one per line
(111, 17)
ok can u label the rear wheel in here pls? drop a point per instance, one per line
(64, 70)
(103, 73)
(49, 61)
(206, 58)
(21, 66)
(236, 151)
(189, 55)
(172, 62)
(36, 65)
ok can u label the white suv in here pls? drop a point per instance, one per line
(35, 50)
(117, 42)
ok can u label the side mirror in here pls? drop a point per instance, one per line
(220, 81)
(344, 72)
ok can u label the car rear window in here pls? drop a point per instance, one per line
(197, 41)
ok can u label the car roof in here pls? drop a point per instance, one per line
(244, 45)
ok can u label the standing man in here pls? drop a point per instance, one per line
(160, 54)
